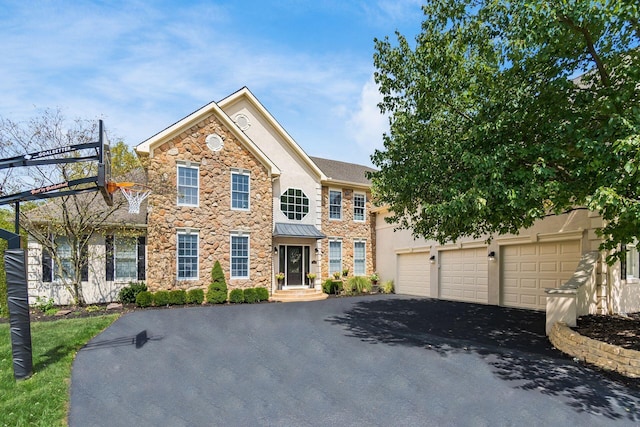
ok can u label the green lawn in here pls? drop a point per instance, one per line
(43, 399)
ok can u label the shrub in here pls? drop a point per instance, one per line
(144, 299)
(195, 296)
(217, 275)
(44, 304)
(359, 284)
(250, 295)
(161, 298)
(217, 293)
(236, 296)
(387, 287)
(332, 286)
(263, 294)
(177, 297)
(348, 287)
(127, 295)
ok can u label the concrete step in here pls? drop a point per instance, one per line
(297, 295)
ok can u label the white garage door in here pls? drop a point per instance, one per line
(463, 275)
(413, 274)
(530, 268)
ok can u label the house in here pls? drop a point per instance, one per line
(231, 185)
(115, 253)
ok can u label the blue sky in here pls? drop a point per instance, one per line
(143, 65)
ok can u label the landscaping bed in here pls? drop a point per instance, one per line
(621, 331)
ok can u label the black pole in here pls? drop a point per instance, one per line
(17, 223)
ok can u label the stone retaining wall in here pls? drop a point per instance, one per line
(603, 355)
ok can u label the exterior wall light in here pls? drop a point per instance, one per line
(492, 256)
(432, 259)
(275, 249)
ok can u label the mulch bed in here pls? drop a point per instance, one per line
(623, 331)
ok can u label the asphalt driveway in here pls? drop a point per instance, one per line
(378, 360)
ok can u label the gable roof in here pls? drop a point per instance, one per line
(344, 173)
(247, 95)
(147, 146)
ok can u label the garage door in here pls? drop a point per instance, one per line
(530, 268)
(463, 275)
(413, 274)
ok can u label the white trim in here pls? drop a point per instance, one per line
(363, 241)
(187, 165)
(243, 235)
(240, 172)
(364, 207)
(187, 232)
(339, 240)
(336, 190)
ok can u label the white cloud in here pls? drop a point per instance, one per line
(367, 124)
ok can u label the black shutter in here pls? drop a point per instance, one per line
(623, 264)
(108, 243)
(142, 242)
(84, 263)
(47, 266)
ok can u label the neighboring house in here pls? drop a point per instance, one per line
(231, 185)
(115, 254)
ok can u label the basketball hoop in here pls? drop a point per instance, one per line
(134, 193)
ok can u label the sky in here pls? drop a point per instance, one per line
(143, 65)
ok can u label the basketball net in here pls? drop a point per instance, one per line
(134, 193)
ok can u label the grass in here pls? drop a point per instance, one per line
(43, 399)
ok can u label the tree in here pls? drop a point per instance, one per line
(63, 225)
(491, 130)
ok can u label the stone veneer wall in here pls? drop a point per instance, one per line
(603, 355)
(213, 218)
(348, 230)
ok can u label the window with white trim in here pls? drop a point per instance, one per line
(125, 254)
(64, 253)
(240, 190)
(187, 255)
(239, 256)
(631, 263)
(335, 256)
(335, 204)
(188, 185)
(359, 202)
(359, 258)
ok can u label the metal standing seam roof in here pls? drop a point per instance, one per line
(283, 229)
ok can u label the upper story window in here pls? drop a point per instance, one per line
(294, 204)
(335, 204)
(240, 190)
(359, 201)
(188, 185)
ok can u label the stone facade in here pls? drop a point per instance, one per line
(213, 219)
(348, 231)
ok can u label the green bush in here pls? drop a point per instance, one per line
(331, 286)
(127, 295)
(217, 275)
(251, 295)
(161, 298)
(195, 296)
(263, 294)
(177, 297)
(387, 287)
(144, 299)
(236, 296)
(359, 284)
(217, 293)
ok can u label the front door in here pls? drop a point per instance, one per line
(295, 273)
